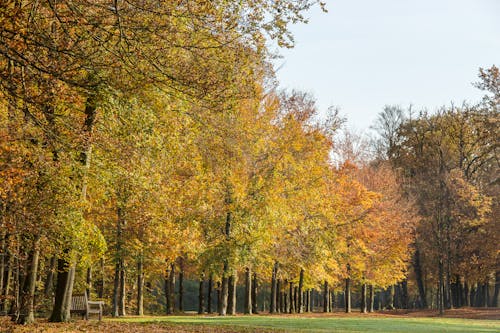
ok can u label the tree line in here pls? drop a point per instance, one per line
(144, 143)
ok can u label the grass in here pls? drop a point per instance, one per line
(423, 321)
(324, 324)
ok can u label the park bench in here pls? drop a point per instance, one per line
(81, 305)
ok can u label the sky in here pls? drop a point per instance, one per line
(364, 54)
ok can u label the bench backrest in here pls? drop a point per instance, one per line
(79, 302)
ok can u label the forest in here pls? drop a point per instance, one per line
(146, 153)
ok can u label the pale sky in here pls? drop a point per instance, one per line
(364, 54)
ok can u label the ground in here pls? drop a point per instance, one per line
(461, 320)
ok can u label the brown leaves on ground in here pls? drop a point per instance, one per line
(6, 326)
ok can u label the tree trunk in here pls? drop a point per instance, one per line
(274, 290)
(440, 288)
(27, 311)
(363, 298)
(419, 279)
(209, 293)
(404, 294)
(254, 294)
(116, 287)
(347, 295)
(171, 282)
(247, 309)
(49, 280)
(308, 300)
(101, 283)
(88, 280)
(181, 287)
(325, 297)
(301, 291)
(219, 298)
(279, 305)
(60, 311)
(224, 291)
(286, 306)
(291, 302)
(296, 299)
(4, 292)
(231, 304)
(485, 295)
(3, 263)
(121, 304)
(370, 299)
(201, 296)
(140, 288)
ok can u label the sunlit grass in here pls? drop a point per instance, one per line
(328, 324)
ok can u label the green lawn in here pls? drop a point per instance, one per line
(328, 324)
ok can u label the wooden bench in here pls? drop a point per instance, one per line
(81, 305)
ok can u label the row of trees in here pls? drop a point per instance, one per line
(144, 142)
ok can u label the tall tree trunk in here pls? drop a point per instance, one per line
(290, 298)
(347, 295)
(308, 300)
(18, 283)
(201, 296)
(168, 300)
(286, 306)
(27, 311)
(363, 298)
(209, 292)
(417, 268)
(404, 294)
(116, 290)
(101, 283)
(296, 299)
(274, 289)
(301, 291)
(254, 294)
(370, 299)
(88, 280)
(181, 287)
(3, 262)
(231, 304)
(219, 298)
(224, 291)
(440, 287)
(59, 313)
(248, 292)
(122, 294)
(8, 273)
(140, 288)
(49, 280)
(171, 282)
(279, 305)
(325, 297)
